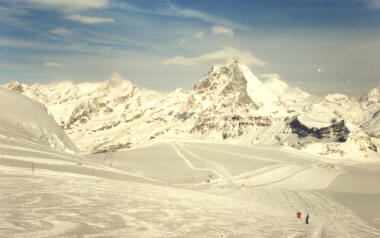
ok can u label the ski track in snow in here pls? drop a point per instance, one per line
(99, 208)
(187, 161)
(59, 204)
(63, 164)
(239, 154)
(55, 154)
(282, 175)
(218, 168)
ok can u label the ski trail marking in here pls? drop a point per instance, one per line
(191, 165)
(243, 155)
(281, 179)
(55, 155)
(13, 147)
(221, 170)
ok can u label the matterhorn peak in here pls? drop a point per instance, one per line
(236, 80)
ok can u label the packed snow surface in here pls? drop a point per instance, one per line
(184, 189)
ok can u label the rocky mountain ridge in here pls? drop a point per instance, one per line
(230, 104)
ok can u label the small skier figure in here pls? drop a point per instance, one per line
(307, 219)
(299, 215)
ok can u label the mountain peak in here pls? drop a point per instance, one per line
(236, 79)
(373, 96)
(219, 76)
(16, 86)
(116, 81)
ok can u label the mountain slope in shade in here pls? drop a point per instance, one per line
(230, 104)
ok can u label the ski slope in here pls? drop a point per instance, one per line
(277, 182)
(161, 190)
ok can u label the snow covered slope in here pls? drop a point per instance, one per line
(23, 119)
(229, 104)
(185, 190)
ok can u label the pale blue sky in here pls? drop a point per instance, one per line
(321, 46)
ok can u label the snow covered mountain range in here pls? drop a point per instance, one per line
(230, 104)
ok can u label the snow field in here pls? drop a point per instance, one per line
(71, 202)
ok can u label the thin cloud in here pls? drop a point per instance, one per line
(373, 4)
(78, 47)
(130, 7)
(221, 56)
(13, 11)
(61, 32)
(198, 35)
(82, 46)
(222, 30)
(10, 15)
(270, 76)
(89, 20)
(15, 43)
(173, 10)
(53, 64)
(182, 42)
(71, 4)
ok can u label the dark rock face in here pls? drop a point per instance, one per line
(202, 84)
(112, 148)
(185, 115)
(237, 84)
(235, 88)
(337, 131)
(18, 88)
(229, 127)
(208, 81)
(83, 112)
(372, 147)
